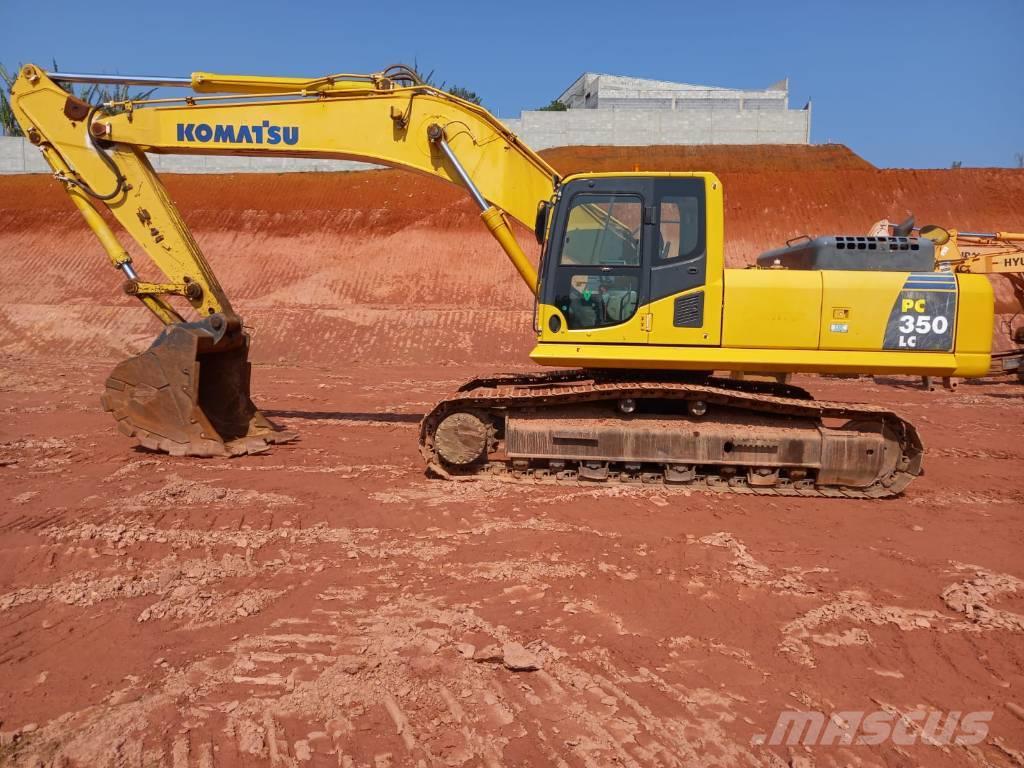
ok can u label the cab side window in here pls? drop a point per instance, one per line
(679, 227)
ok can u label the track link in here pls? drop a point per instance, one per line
(498, 397)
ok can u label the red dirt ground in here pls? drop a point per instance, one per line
(316, 605)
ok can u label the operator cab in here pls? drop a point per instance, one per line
(617, 243)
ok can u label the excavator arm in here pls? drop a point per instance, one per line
(987, 253)
(981, 253)
(189, 393)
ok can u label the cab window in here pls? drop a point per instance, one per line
(598, 301)
(603, 230)
(679, 227)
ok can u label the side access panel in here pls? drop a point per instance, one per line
(975, 316)
(866, 310)
(771, 309)
(689, 319)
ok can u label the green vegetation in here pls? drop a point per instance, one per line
(8, 124)
(554, 106)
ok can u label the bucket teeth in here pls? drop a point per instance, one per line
(188, 394)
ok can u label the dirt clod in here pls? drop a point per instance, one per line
(489, 654)
(518, 659)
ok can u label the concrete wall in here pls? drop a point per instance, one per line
(628, 127)
(599, 91)
(17, 155)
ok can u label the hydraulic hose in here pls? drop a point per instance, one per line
(119, 185)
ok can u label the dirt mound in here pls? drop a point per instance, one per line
(392, 266)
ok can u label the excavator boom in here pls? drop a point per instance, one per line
(189, 393)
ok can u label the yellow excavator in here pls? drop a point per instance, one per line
(633, 303)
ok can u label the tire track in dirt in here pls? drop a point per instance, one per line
(389, 669)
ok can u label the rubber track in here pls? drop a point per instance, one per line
(496, 394)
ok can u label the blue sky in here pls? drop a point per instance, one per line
(905, 83)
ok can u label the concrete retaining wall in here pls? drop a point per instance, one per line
(18, 156)
(641, 128)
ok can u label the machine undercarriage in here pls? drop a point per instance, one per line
(598, 426)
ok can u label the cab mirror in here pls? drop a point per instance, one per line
(540, 225)
(936, 234)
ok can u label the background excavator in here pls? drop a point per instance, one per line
(631, 292)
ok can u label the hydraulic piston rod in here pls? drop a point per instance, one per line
(492, 217)
(70, 77)
(436, 134)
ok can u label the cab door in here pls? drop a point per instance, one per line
(596, 271)
(685, 285)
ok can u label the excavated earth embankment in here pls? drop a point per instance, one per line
(392, 266)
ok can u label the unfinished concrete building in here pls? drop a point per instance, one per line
(628, 111)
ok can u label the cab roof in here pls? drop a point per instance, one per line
(639, 174)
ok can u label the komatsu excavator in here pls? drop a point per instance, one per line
(631, 294)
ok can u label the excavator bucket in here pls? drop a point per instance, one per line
(188, 394)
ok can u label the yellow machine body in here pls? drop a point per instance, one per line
(782, 320)
(761, 335)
